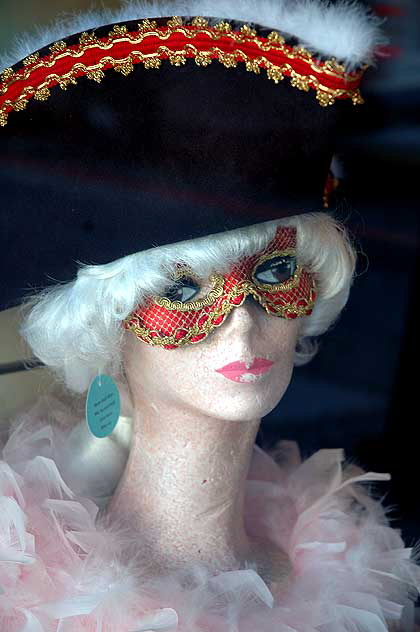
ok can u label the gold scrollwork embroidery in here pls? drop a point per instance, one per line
(248, 31)
(333, 65)
(284, 286)
(31, 59)
(216, 318)
(177, 58)
(324, 94)
(203, 59)
(58, 47)
(118, 29)
(357, 98)
(96, 74)
(283, 311)
(228, 60)
(275, 73)
(64, 82)
(223, 27)
(174, 22)
(6, 74)
(200, 22)
(42, 94)
(154, 337)
(147, 25)
(124, 68)
(276, 38)
(299, 82)
(261, 292)
(217, 282)
(20, 105)
(152, 62)
(88, 39)
(302, 52)
(176, 25)
(253, 66)
(324, 98)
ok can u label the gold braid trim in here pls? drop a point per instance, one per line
(216, 292)
(217, 283)
(283, 286)
(246, 288)
(88, 41)
(147, 28)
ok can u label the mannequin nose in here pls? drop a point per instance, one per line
(243, 317)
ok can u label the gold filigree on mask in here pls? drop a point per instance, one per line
(216, 281)
(284, 285)
(171, 324)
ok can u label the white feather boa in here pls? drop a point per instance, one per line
(345, 30)
(61, 570)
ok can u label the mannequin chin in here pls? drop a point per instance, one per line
(190, 377)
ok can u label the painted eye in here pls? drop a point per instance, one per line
(276, 270)
(183, 290)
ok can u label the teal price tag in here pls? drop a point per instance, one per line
(102, 406)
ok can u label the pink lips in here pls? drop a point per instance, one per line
(240, 372)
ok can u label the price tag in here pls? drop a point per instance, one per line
(102, 406)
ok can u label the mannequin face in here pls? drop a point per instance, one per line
(189, 377)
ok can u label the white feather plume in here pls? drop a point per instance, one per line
(344, 30)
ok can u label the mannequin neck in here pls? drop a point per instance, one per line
(184, 484)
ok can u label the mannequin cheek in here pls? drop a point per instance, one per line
(165, 375)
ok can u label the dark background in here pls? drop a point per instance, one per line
(360, 392)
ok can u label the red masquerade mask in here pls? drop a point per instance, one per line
(272, 277)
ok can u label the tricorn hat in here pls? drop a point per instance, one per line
(133, 130)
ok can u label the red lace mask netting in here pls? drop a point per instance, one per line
(170, 324)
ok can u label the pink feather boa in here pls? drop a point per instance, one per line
(61, 570)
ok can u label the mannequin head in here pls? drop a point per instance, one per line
(237, 333)
(76, 328)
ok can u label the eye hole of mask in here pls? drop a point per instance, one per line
(275, 270)
(184, 290)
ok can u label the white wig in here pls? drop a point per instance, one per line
(76, 328)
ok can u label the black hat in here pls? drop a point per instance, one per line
(152, 131)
